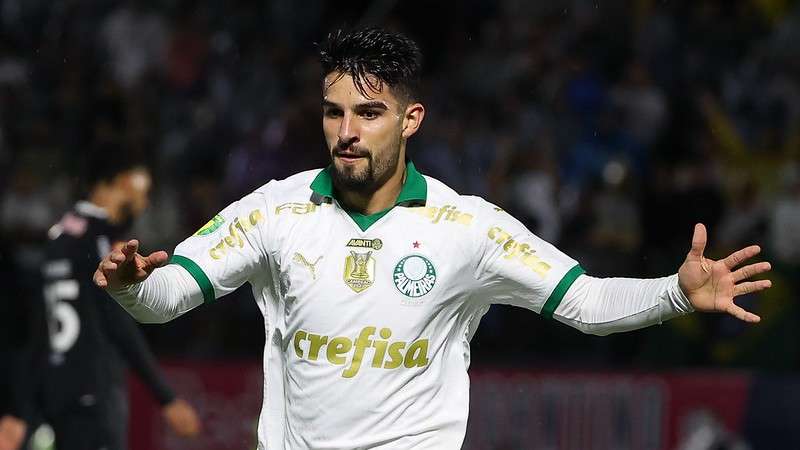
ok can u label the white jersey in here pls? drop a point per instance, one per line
(368, 319)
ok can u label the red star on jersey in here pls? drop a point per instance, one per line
(416, 244)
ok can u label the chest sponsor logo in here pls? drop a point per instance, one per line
(211, 226)
(375, 244)
(380, 352)
(359, 270)
(414, 276)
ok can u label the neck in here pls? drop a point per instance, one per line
(102, 198)
(382, 198)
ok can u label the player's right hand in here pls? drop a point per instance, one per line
(125, 266)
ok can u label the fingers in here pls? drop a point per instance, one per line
(100, 278)
(155, 260)
(112, 262)
(741, 314)
(117, 256)
(750, 287)
(125, 266)
(738, 257)
(699, 239)
(130, 249)
(104, 268)
(750, 270)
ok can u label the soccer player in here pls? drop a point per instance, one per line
(91, 339)
(372, 277)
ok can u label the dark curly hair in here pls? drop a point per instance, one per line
(390, 58)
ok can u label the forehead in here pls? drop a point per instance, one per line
(341, 88)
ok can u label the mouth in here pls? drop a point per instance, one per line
(350, 157)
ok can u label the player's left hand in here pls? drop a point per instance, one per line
(182, 418)
(712, 285)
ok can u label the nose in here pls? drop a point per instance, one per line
(348, 133)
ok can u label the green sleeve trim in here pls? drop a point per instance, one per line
(197, 273)
(561, 288)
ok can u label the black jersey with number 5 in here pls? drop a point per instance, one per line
(91, 338)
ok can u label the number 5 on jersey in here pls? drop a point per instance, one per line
(63, 322)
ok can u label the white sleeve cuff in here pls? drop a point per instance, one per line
(167, 293)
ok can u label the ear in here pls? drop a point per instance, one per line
(412, 119)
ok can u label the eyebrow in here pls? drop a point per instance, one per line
(371, 104)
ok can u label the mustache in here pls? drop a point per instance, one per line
(345, 149)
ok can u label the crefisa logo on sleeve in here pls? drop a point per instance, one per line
(414, 276)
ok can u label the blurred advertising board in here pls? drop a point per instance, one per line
(522, 409)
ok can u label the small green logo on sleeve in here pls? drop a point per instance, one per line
(211, 226)
(236, 233)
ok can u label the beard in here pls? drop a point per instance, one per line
(365, 179)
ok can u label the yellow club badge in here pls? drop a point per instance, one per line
(359, 270)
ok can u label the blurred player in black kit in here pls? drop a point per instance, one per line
(83, 394)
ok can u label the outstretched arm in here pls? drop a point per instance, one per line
(223, 255)
(603, 306)
(149, 295)
(516, 267)
(609, 305)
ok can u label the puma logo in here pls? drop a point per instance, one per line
(298, 258)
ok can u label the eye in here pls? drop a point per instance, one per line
(333, 112)
(370, 114)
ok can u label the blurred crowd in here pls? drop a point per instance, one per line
(609, 128)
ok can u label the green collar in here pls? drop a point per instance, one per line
(413, 193)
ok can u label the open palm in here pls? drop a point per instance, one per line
(712, 285)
